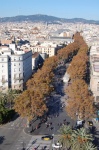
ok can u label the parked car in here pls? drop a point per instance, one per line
(79, 124)
(47, 137)
(77, 127)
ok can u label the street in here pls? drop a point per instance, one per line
(12, 136)
(15, 136)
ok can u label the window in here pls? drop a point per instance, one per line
(3, 78)
(98, 87)
(14, 64)
(3, 88)
(19, 85)
(14, 76)
(2, 65)
(97, 98)
(14, 58)
(9, 76)
(14, 69)
(2, 59)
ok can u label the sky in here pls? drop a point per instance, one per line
(87, 9)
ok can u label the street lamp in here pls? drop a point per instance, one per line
(53, 141)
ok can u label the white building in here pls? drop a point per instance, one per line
(94, 71)
(48, 49)
(35, 60)
(15, 68)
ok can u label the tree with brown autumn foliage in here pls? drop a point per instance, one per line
(80, 103)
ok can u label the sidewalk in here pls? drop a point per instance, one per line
(96, 124)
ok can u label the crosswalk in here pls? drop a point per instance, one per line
(18, 124)
(22, 143)
(36, 143)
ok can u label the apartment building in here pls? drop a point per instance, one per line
(94, 72)
(15, 68)
(35, 60)
(48, 49)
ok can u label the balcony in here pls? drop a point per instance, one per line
(18, 78)
(4, 81)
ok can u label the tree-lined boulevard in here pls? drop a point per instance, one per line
(51, 101)
(16, 127)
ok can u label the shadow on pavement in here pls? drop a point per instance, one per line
(14, 117)
(56, 116)
(95, 133)
(2, 138)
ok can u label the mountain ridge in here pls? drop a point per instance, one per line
(45, 18)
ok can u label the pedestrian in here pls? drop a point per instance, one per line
(64, 123)
(47, 126)
(51, 128)
(56, 116)
(51, 123)
(64, 120)
(37, 127)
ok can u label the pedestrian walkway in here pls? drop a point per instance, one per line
(95, 123)
(37, 143)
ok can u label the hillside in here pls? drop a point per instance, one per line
(45, 18)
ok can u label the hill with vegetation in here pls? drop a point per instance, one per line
(45, 18)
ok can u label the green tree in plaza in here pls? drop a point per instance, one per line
(10, 97)
(3, 113)
(89, 146)
(2, 99)
(75, 139)
(80, 137)
(65, 136)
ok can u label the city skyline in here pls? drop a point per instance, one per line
(62, 9)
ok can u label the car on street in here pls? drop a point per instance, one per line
(47, 137)
(90, 123)
(77, 127)
(79, 124)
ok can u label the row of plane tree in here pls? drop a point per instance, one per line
(33, 101)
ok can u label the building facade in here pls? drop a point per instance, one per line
(94, 72)
(15, 69)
